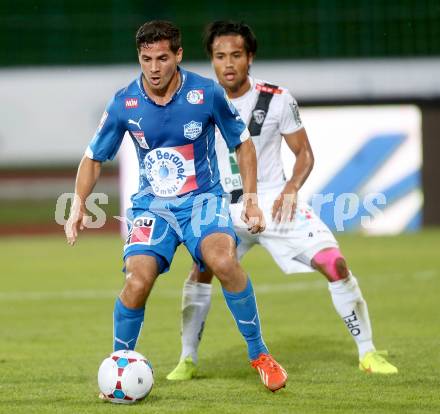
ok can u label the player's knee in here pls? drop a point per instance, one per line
(331, 264)
(139, 277)
(224, 266)
(136, 285)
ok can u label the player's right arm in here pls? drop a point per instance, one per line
(103, 147)
(86, 179)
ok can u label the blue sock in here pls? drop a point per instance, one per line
(127, 324)
(243, 307)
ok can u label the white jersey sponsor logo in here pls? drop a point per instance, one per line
(295, 112)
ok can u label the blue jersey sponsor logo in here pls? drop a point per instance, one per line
(171, 171)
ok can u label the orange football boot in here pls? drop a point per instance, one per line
(272, 374)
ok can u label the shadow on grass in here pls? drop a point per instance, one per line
(297, 354)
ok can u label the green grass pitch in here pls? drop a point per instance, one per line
(56, 306)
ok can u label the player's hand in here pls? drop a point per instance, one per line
(283, 209)
(76, 221)
(253, 216)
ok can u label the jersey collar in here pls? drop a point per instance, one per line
(247, 93)
(183, 77)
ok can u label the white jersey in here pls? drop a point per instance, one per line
(281, 117)
(293, 244)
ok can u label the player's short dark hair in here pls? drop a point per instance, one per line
(157, 30)
(229, 27)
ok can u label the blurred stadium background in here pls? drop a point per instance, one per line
(61, 61)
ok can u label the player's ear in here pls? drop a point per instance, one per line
(179, 55)
(250, 58)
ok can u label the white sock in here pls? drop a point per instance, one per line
(352, 308)
(196, 301)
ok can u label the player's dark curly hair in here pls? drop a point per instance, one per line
(156, 30)
(229, 27)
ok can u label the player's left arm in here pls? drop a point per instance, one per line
(252, 215)
(295, 135)
(285, 205)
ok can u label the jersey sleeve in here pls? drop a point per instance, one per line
(108, 136)
(290, 121)
(227, 119)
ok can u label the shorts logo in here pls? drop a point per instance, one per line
(192, 130)
(102, 121)
(195, 97)
(259, 116)
(140, 138)
(171, 170)
(131, 103)
(141, 230)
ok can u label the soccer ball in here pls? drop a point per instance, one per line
(125, 377)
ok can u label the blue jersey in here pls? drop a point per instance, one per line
(175, 143)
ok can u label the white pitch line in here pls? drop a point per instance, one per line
(262, 289)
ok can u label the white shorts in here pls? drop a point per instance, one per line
(292, 245)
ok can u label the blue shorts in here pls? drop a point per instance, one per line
(157, 226)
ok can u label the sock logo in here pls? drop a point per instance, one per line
(199, 335)
(126, 344)
(352, 323)
(251, 322)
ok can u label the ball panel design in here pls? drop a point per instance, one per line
(125, 377)
(137, 380)
(107, 376)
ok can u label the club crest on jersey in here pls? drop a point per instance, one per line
(131, 103)
(259, 116)
(171, 170)
(195, 96)
(192, 130)
(141, 230)
(140, 138)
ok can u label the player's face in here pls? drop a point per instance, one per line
(231, 63)
(159, 64)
